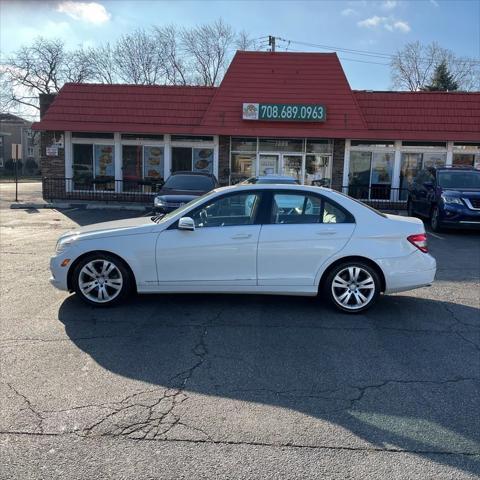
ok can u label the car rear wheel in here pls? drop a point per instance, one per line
(435, 220)
(102, 280)
(353, 287)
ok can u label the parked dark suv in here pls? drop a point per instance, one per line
(181, 188)
(448, 196)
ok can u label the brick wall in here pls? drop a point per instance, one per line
(338, 159)
(224, 160)
(51, 167)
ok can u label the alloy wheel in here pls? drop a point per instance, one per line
(353, 288)
(100, 281)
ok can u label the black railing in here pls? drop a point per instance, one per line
(104, 189)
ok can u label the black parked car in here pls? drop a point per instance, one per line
(181, 188)
(448, 196)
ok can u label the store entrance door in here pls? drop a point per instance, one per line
(269, 164)
(292, 165)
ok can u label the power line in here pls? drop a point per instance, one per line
(373, 54)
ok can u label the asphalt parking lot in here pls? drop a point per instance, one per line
(196, 386)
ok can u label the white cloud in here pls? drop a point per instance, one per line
(401, 26)
(387, 23)
(347, 12)
(389, 4)
(434, 3)
(91, 12)
(372, 22)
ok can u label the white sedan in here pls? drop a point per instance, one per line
(262, 239)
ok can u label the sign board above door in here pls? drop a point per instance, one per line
(284, 112)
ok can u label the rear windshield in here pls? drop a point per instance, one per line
(459, 179)
(190, 182)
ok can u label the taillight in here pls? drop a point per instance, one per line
(420, 241)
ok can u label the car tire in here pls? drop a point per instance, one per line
(346, 295)
(435, 223)
(410, 211)
(102, 280)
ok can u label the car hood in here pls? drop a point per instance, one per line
(176, 198)
(470, 192)
(128, 226)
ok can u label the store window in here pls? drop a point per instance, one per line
(192, 159)
(281, 145)
(466, 154)
(318, 170)
(246, 144)
(242, 167)
(412, 163)
(142, 168)
(370, 174)
(93, 166)
(319, 146)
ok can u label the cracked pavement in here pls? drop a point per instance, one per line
(192, 386)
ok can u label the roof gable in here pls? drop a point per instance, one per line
(280, 77)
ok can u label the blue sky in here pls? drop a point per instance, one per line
(376, 26)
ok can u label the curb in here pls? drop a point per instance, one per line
(63, 206)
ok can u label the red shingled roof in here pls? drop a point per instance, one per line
(127, 108)
(422, 115)
(280, 77)
(284, 77)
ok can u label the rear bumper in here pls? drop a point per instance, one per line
(407, 273)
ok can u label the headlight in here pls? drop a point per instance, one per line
(451, 200)
(158, 202)
(64, 242)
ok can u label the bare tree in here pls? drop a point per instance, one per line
(42, 67)
(245, 42)
(103, 64)
(137, 58)
(412, 67)
(209, 46)
(175, 65)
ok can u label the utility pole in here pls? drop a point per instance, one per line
(271, 42)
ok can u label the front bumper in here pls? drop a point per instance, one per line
(59, 273)
(458, 216)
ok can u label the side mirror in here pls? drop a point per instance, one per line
(428, 185)
(186, 223)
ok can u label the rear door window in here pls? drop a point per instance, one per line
(295, 208)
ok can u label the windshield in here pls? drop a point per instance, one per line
(459, 180)
(168, 216)
(189, 182)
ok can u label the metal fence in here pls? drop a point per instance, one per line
(382, 197)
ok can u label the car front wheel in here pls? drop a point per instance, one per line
(435, 220)
(102, 280)
(353, 287)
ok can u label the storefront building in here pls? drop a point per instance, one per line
(274, 113)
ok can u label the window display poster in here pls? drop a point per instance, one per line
(153, 162)
(203, 160)
(104, 164)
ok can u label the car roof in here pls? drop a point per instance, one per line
(457, 167)
(275, 177)
(187, 172)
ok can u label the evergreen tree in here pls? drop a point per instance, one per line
(442, 80)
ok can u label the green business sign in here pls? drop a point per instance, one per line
(285, 112)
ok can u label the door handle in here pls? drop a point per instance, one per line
(326, 232)
(239, 236)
